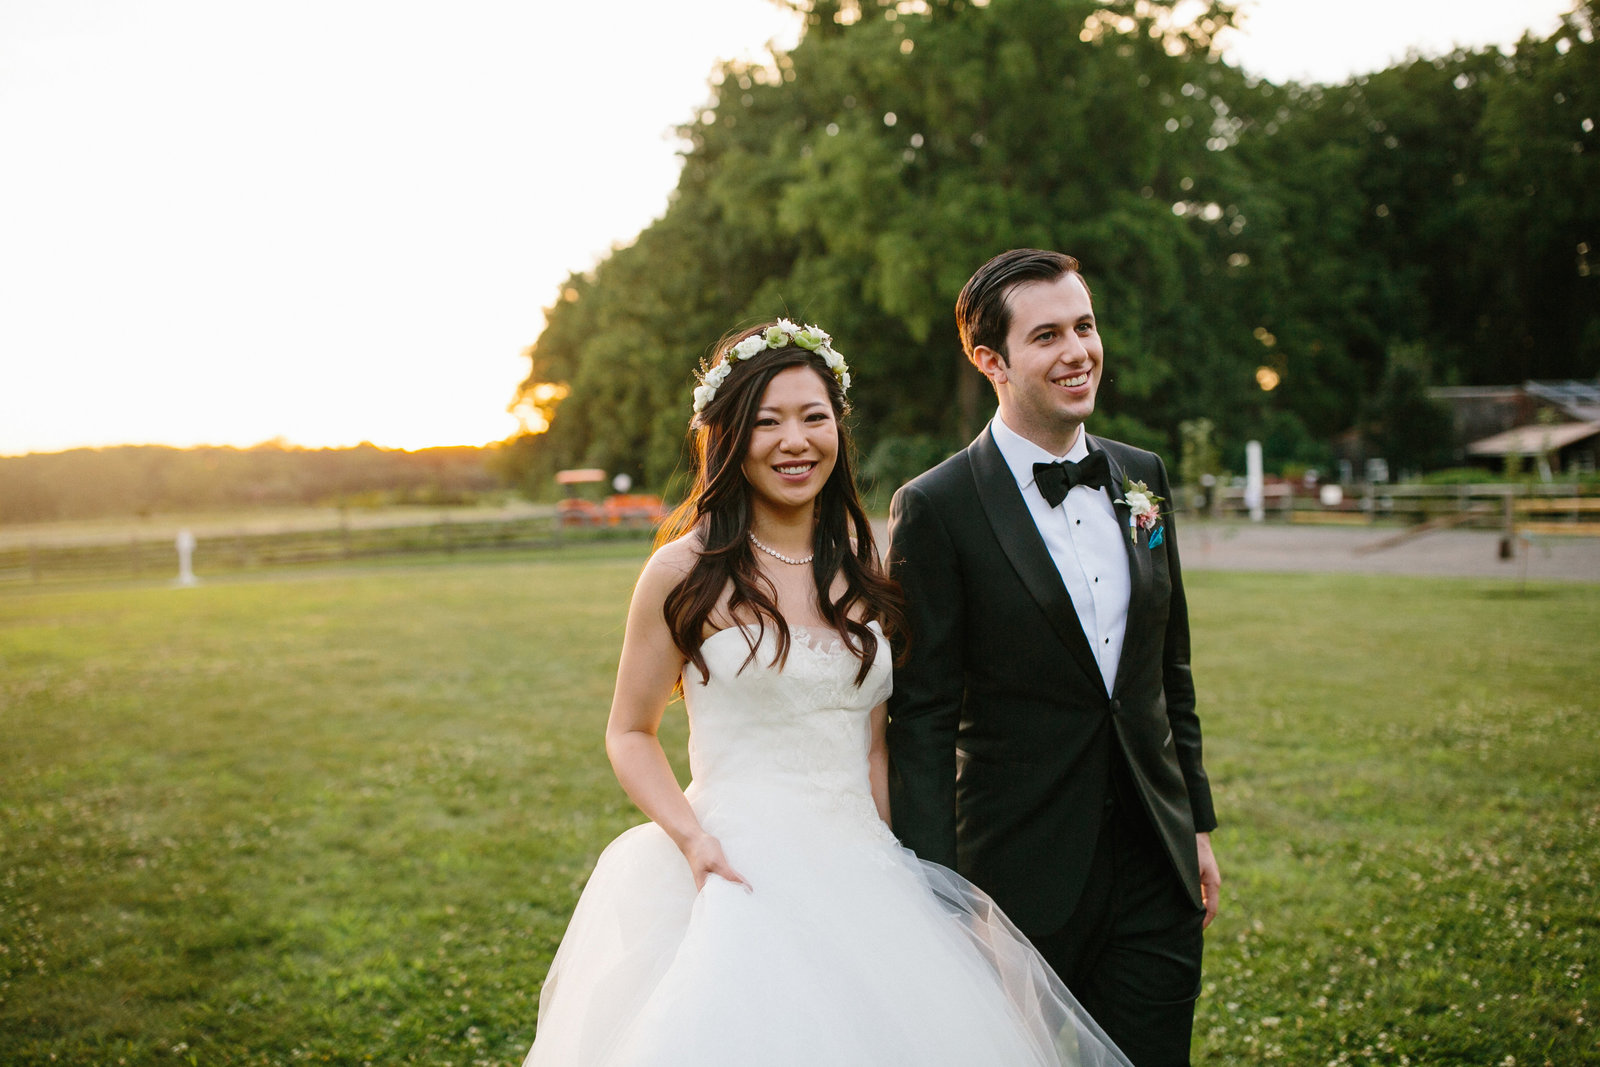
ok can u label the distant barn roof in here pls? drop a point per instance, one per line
(1534, 439)
(1580, 400)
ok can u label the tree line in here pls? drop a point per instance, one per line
(128, 480)
(1291, 262)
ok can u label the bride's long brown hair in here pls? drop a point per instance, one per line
(718, 507)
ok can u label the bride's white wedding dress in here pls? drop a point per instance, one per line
(848, 950)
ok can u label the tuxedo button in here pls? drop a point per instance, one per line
(1116, 706)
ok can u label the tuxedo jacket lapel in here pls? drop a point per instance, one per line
(1139, 566)
(1013, 527)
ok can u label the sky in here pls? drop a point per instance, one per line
(335, 221)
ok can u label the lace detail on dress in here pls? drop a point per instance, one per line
(805, 726)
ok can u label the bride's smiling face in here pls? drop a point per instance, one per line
(795, 443)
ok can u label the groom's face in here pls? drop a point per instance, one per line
(1047, 380)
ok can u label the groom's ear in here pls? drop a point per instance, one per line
(991, 363)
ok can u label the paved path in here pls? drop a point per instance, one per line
(1453, 553)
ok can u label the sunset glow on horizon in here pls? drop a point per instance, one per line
(322, 223)
(328, 224)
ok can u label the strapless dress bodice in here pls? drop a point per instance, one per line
(803, 723)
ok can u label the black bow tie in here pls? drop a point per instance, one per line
(1055, 480)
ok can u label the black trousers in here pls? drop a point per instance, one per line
(1131, 950)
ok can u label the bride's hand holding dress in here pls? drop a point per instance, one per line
(705, 859)
(646, 677)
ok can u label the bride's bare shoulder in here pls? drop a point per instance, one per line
(670, 565)
(672, 562)
(678, 556)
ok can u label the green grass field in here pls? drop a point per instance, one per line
(342, 815)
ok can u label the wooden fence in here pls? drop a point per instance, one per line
(1529, 509)
(1539, 510)
(219, 552)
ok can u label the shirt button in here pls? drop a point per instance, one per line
(1097, 580)
(1108, 640)
(1077, 522)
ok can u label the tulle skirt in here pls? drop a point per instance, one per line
(846, 950)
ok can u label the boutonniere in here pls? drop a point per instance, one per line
(1144, 510)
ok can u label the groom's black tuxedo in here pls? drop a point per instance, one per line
(1003, 742)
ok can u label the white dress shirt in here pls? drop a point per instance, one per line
(1085, 542)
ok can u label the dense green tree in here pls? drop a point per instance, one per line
(860, 179)
(1444, 202)
(1408, 428)
(1257, 252)
(1541, 210)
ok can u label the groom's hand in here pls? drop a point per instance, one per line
(1210, 877)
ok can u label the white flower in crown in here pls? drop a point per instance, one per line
(748, 347)
(780, 335)
(813, 340)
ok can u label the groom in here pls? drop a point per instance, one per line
(1042, 736)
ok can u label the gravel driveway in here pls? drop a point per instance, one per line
(1236, 546)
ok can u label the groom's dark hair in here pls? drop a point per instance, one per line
(983, 310)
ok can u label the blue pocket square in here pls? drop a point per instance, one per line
(1157, 536)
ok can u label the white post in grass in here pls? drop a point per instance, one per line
(1254, 488)
(185, 544)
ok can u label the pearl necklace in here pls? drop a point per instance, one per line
(779, 556)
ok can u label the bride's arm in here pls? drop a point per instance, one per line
(878, 761)
(645, 679)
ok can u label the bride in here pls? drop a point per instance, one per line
(766, 914)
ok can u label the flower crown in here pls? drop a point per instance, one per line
(781, 335)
